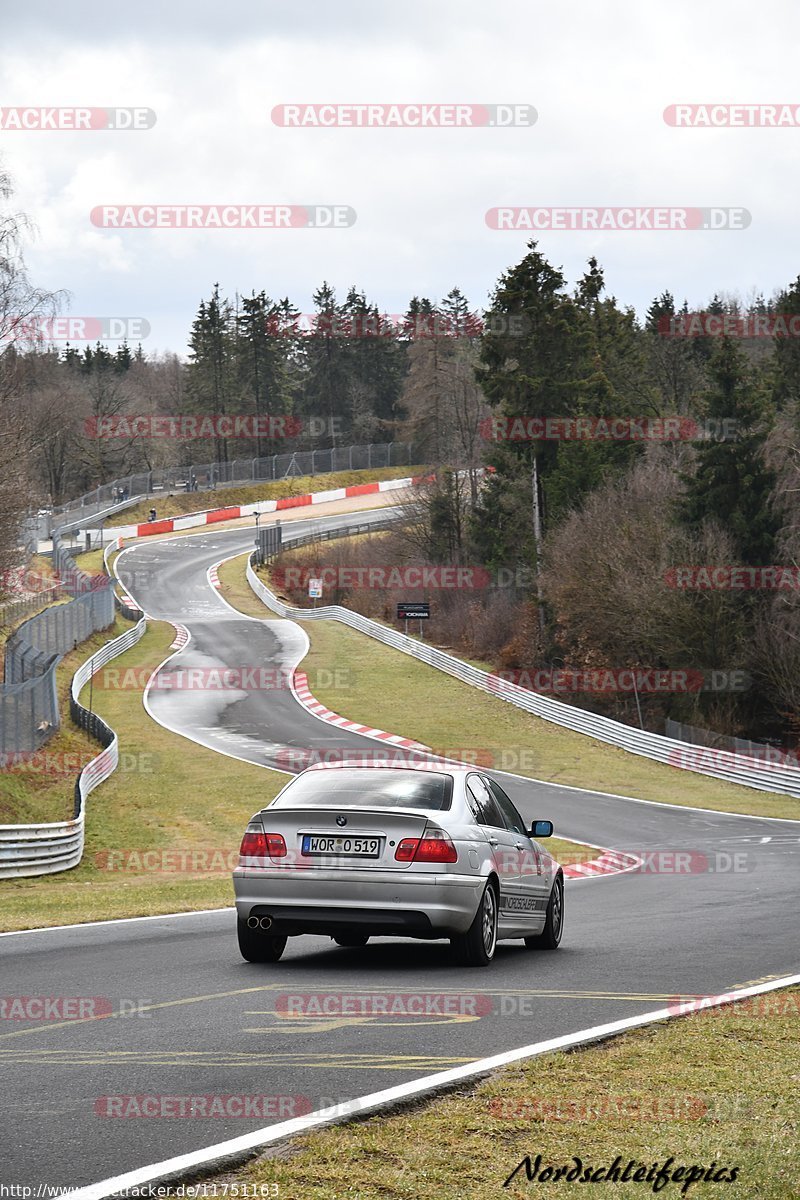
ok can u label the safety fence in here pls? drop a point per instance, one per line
(43, 849)
(697, 736)
(27, 605)
(763, 773)
(240, 471)
(29, 713)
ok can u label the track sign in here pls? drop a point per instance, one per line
(314, 589)
(414, 611)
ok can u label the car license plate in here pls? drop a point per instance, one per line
(356, 847)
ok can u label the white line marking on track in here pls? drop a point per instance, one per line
(242, 1147)
(195, 912)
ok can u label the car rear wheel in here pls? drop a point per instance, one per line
(550, 937)
(351, 941)
(476, 947)
(258, 947)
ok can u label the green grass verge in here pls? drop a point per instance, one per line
(375, 685)
(169, 795)
(169, 505)
(567, 852)
(699, 1090)
(237, 591)
(384, 689)
(92, 561)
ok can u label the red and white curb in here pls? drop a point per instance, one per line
(181, 636)
(610, 862)
(215, 515)
(303, 694)
(129, 602)
(213, 577)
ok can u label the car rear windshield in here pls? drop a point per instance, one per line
(369, 789)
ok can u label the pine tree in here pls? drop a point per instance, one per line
(212, 361)
(731, 483)
(786, 353)
(542, 373)
(123, 358)
(659, 313)
(325, 386)
(267, 340)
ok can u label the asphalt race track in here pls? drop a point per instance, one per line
(211, 1024)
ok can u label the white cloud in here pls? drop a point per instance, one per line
(600, 77)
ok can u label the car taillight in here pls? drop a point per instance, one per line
(262, 845)
(435, 846)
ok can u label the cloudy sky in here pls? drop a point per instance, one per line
(599, 75)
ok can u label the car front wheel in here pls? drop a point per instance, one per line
(476, 947)
(550, 936)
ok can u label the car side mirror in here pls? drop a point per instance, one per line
(541, 829)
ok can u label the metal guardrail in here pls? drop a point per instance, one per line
(125, 604)
(27, 850)
(763, 775)
(96, 515)
(330, 535)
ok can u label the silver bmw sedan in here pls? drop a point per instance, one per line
(422, 850)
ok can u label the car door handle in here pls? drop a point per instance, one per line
(520, 846)
(493, 841)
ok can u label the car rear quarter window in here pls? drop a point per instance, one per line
(513, 820)
(488, 810)
(369, 789)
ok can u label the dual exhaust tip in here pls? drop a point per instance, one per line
(264, 923)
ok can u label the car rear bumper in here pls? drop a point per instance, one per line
(404, 903)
